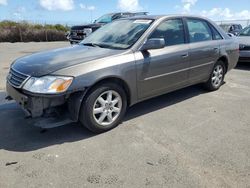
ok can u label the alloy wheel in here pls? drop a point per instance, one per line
(107, 108)
(217, 76)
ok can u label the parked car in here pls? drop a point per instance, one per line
(244, 40)
(78, 33)
(113, 68)
(232, 28)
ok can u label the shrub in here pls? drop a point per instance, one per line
(25, 32)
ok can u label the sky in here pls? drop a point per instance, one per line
(83, 11)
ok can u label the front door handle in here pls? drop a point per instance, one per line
(184, 55)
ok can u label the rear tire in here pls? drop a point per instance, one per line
(217, 77)
(103, 108)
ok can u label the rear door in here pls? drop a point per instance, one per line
(204, 50)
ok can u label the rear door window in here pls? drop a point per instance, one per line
(199, 30)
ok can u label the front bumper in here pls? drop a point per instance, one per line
(244, 56)
(49, 111)
(34, 106)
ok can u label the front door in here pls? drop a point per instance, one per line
(163, 70)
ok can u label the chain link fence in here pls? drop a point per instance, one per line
(243, 23)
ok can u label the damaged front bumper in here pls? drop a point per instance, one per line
(48, 111)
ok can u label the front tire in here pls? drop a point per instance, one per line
(217, 77)
(103, 108)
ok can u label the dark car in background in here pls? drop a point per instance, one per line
(232, 28)
(78, 33)
(244, 40)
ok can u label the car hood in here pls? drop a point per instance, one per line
(244, 40)
(43, 63)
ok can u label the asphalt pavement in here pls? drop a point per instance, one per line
(188, 138)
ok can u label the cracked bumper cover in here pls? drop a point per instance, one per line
(50, 110)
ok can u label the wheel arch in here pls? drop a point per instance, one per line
(224, 59)
(113, 79)
(79, 97)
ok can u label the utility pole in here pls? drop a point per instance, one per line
(91, 15)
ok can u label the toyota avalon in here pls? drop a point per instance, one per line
(122, 63)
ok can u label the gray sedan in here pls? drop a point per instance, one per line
(119, 65)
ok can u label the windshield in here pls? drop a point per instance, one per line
(120, 34)
(245, 32)
(104, 19)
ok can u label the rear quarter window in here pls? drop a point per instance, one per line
(216, 34)
(199, 30)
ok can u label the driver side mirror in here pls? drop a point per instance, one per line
(154, 43)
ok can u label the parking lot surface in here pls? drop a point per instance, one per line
(188, 138)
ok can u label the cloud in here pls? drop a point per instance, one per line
(3, 2)
(225, 14)
(51, 5)
(129, 5)
(85, 7)
(19, 12)
(188, 4)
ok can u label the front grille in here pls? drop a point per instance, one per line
(16, 78)
(77, 32)
(246, 48)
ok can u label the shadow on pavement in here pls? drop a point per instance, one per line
(243, 66)
(163, 101)
(17, 134)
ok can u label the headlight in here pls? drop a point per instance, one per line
(242, 46)
(87, 31)
(48, 84)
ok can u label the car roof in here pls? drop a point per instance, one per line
(159, 17)
(229, 24)
(155, 17)
(114, 13)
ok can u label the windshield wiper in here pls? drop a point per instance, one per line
(102, 46)
(91, 44)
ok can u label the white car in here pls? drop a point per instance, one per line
(244, 40)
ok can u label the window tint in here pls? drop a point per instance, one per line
(217, 35)
(172, 31)
(198, 30)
